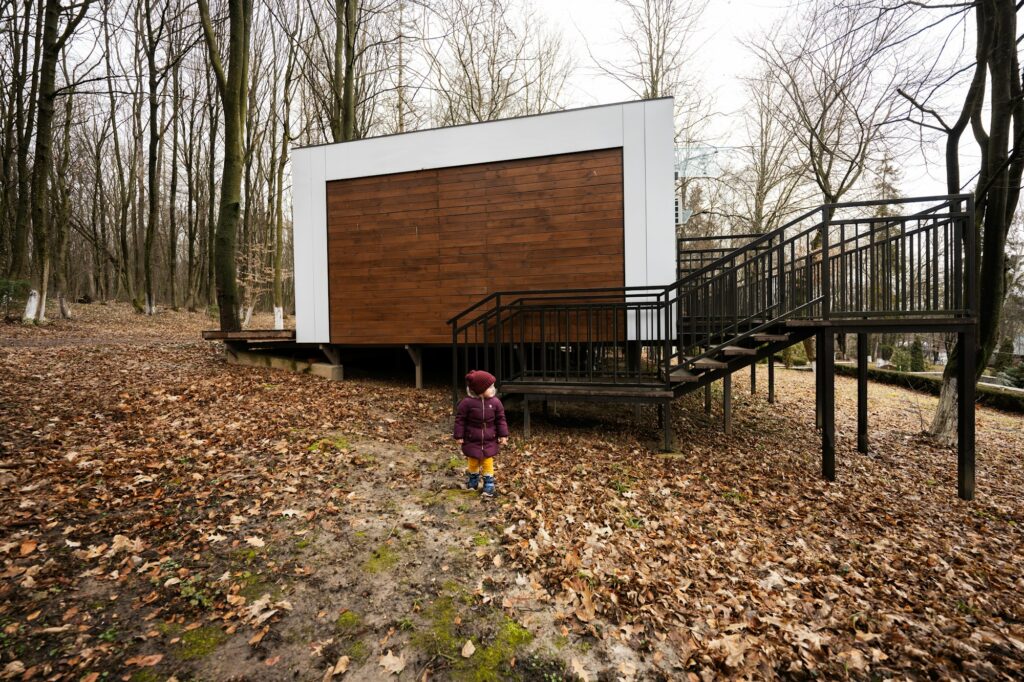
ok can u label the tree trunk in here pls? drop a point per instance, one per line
(43, 159)
(24, 121)
(998, 189)
(172, 223)
(233, 89)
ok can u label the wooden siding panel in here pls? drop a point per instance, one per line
(405, 252)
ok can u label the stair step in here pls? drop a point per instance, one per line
(708, 363)
(770, 338)
(738, 350)
(682, 376)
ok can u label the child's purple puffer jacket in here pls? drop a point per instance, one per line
(480, 422)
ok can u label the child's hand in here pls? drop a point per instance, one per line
(503, 440)
(459, 441)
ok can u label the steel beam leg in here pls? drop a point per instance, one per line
(707, 398)
(826, 362)
(526, 419)
(862, 393)
(753, 378)
(771, 378)
(416, 353)
(727, 403)
(818, 388)
(965, 388)
(665, 410)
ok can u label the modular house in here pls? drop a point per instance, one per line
(393, 235)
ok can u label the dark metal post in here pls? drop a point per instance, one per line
(826, 360)
(707, 398)
(818, 389)
(826, 283)
(967, 377)
(753, 378)
(965, 388)
(727, 403)
(499, 342)
(526, 418)
(455, 365)
(665, 410)
(771, 378)
(862, 393)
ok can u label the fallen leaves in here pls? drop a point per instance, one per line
(392, 664)
(731, 558)
(145, 661)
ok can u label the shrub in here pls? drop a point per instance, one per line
(1014, 374)
(1003, 357)
(917, 355)
(885, 351)
(13, 293)
(900, 360)
(794, 356)
(992, 396)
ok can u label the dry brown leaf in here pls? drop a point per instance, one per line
(145, 661)
(391, 663)
(468, 649)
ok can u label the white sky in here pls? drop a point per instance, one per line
(721, 62)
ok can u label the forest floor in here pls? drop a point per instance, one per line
(165, 515)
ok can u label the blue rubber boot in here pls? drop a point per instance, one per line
(488, 486)
(472, 481)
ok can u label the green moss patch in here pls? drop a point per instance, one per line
(381, 559)
(336, 443)
(450, 621)
(347, 623)
(201, 642)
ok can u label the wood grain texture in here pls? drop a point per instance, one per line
(405, 252)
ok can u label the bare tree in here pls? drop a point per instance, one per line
(992, 104)
(232, 86)
(494, 63)
(773, 181)
(835, 78)
(54, 38)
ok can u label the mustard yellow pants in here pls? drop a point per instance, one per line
(486, 467)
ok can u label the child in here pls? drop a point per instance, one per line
(480, 427)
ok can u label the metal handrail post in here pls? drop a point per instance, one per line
(826, 284)
(498, 342)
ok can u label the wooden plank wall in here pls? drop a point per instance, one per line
(408, 251)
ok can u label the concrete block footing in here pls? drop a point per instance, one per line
(320, 369)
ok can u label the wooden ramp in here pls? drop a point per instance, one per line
(250, 335)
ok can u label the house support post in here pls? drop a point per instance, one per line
(416, 353)
(965, 389)
(665, 414)
(526, 418)
(862, 393)
(332, 354)
(727, 403)
(707, 398)
(771, 378)
(827, 370)
(818, 388)
(753, 378)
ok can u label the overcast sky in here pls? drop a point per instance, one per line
(722, 61)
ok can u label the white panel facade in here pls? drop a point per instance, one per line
(644, 130)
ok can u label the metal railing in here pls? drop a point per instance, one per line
(850, 261)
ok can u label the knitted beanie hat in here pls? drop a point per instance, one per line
(479, 381)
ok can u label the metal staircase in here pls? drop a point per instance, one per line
(853, 268)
